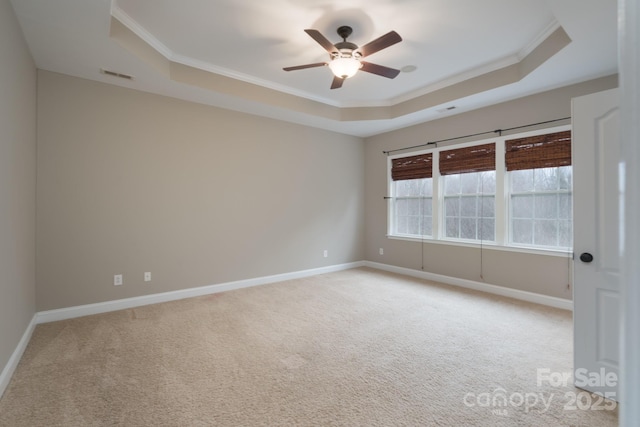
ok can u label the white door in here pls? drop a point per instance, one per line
(596, 204)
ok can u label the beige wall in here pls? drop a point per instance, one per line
(130, 182)
(542, 274)
(17, 183)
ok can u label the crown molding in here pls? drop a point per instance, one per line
(170, 55)
(501, 72)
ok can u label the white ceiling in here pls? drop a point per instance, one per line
(447, 41)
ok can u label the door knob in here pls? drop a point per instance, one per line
(586, 257)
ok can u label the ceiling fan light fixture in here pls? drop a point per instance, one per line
(345, 57)
(345, 65)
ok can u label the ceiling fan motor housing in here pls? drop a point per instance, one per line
(345, 47)
(344, 31)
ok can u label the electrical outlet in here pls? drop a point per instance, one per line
(117, 280)
(147, 276)
(326, 253)
(381, 251)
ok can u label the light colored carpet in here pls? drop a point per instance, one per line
(358, 347)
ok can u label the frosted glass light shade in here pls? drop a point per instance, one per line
(344, 66)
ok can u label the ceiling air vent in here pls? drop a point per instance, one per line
(116, 74)
(444, 110)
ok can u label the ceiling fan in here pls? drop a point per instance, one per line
(346, 57)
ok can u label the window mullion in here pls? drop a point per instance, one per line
(502, 195)
(437, 201)
(391, 205)
(540, 193)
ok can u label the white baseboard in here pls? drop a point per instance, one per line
(107, 306)
(103, 307)
(12, 364)
(478, 286)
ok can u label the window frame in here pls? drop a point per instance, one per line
(502, 198)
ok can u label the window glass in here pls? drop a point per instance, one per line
(412, 204)
(541, 212)
(469, 206)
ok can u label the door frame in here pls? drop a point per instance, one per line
(629, 69)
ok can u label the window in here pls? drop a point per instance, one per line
(457, 194)
(540, 181)
(469, 182)
(413, 191)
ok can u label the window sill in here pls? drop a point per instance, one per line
(488, 245)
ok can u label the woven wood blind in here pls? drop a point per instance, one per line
(540, 151)
(478, 158)
(413, 167)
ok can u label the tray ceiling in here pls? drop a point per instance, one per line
(230, 53)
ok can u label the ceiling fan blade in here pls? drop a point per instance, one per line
(302, 67)
(380, 70)
(337, 83)
(322, 40)
(380, 43)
